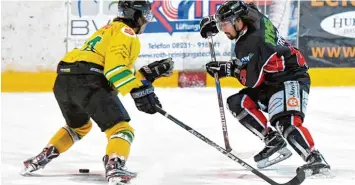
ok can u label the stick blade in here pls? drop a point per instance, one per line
(298, 179)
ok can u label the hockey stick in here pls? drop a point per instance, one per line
(219, 95)
(297, 180)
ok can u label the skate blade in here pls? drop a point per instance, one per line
(119, 180)
(27, 171)
(283, 154)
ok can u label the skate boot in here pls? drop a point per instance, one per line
(39, 161)
(275, 144)
(315, 164)
(116, 173)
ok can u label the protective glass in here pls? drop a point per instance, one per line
(145, 9)
(224, 24)
(148, 15)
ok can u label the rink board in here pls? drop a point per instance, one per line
(43, 81)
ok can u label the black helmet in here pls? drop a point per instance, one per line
(230, 10)
(131, 10)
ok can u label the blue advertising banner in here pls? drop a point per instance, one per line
(327, 33)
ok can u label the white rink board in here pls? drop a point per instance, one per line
(33, 35)
(36, 34)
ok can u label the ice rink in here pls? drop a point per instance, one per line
(165, 154)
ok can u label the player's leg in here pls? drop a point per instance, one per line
(78, 124)
(288, 119)
(105, 108)
(120, 137)
(245, 106)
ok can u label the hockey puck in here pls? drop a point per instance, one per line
(84, 170)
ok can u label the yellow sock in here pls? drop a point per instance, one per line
(119, 138)
(66, 136)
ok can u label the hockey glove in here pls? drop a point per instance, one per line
(239, 65)
(145, 99)
(208, 25)
(222, 68)
(157, 69)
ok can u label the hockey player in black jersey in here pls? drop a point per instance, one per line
(277, 82)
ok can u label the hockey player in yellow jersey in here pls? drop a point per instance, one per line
(87, 84)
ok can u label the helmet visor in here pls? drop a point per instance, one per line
(223, 23)
(129, 11)
(147, 14)
(120, 13)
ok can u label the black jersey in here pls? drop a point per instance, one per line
(268, 57)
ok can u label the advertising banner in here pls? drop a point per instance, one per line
(327, 33)
(174, 31)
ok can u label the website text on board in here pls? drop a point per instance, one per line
(321, 3)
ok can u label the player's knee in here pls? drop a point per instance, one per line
(79, 132)
(121, 130)
(234, 104)
(238, 103)
(85, 129)
(287, 124)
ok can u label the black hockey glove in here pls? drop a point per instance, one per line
(222, 68)
(157, 69)
(208, 24)
(225, 68)
(145, 99)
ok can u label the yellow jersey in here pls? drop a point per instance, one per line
(115, 47)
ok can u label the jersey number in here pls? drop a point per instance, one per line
(90, 45)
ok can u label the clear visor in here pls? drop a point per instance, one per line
(148, 15)
(120, 13)
(221, 25)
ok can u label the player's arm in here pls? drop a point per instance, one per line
(247, 72)
(126, 53)
(155, 70)
(274, 49)
(144, 96)
(119, 56)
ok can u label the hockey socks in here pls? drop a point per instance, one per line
(119, 139)
(66, 136)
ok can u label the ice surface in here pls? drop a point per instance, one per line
(162, 152)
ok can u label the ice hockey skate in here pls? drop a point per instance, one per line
(315, 165)
(274, 145)
(39, 161)
(116, 173)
